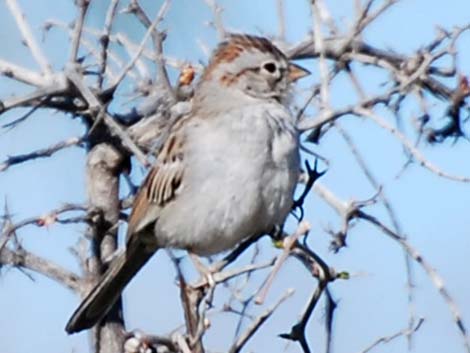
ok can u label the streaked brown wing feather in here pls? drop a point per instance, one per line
(160, 186)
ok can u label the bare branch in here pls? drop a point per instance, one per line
(77, 31)
(393, 218)
(56, 86)
(430, 271)
(217, 15)
(281, 19)
(41, 153)
(223, 276)
(257, 323)
(288, 242)
(410, 147)
(21, 74)
(25, 259)
(43, 220)
(158, 38)
(104, 40)
(161, 13)
(28, 37)
(298, 330)
(386, 339)
(114, 126)
(320, 47)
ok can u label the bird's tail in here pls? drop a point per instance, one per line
(107, 291)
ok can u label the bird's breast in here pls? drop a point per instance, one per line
(239, 182)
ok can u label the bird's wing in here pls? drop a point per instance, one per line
(161, 184)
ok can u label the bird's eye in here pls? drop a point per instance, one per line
(270, 67)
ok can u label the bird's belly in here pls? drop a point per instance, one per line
(229, 209)
(247, 191)
(226, 213)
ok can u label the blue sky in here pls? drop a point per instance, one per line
(432, 211)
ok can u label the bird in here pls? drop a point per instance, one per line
(226, 172)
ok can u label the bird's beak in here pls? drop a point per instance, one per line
(296, 72)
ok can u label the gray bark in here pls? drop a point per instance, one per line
(102, 177)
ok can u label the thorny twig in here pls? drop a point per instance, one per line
(297, 332)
